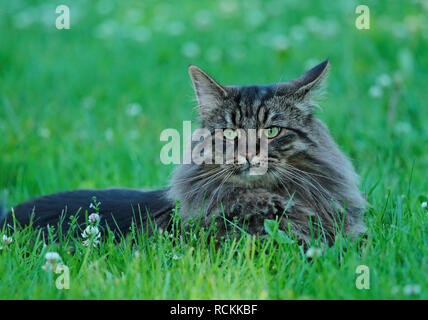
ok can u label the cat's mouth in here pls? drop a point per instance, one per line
(251, 171)
(244, 169)
(249, 175)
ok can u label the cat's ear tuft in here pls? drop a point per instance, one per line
(310, 81)
(209, 92)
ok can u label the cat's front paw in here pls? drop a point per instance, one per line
(278, 204)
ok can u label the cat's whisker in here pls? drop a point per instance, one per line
(214, 174)
(281, 181)
(298, 172)
(319, 198)
(200, 176)
(303, 182)
(219, 187)
(315, 174)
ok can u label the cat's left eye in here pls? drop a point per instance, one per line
(271, 132)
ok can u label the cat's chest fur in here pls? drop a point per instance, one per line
(235, 203)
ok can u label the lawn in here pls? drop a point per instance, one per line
(84, 108)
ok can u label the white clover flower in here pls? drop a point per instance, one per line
(133, 109)
(376, 91)
(412, 289)
(190, 49)
(255, 18)
(52, 257)
(175, 257)
(298, 33)
(47, 267)
(175, 28)
(384, 80)
(109, 134)
(313, 252)
(91, 234)
(312, 23)
(53, 260)
(403, 127)
(95, 242)
(279, 42)
(6, 240)
(91, 231)
(44, 132)
(141, 34)
(106, 29)
(93, 218)
(133, 134)
(424, 205)
(203, 18)
(228, 6)
(51, 267)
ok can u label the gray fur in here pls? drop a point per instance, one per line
(304, 162)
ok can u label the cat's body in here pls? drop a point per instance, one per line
(306, 173)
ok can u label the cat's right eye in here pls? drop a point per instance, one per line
(230, 134)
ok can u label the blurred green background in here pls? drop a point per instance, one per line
(85, 107)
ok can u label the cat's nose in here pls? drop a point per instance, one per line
(249, 159)
(249, 156)
(252, 158)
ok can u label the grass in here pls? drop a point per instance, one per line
(84, 108)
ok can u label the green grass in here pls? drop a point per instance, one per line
(64, 97)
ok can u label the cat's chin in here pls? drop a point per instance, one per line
(247, 178)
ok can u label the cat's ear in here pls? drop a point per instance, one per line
(209, 92)
(310, 81)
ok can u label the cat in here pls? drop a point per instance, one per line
(309, 186)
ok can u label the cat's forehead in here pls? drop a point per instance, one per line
(252, 93)
(253, 107)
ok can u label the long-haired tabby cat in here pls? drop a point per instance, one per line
(309, 185)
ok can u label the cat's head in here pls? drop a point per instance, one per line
(275, 119)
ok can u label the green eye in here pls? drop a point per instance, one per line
(230, 134)
(271, 132)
